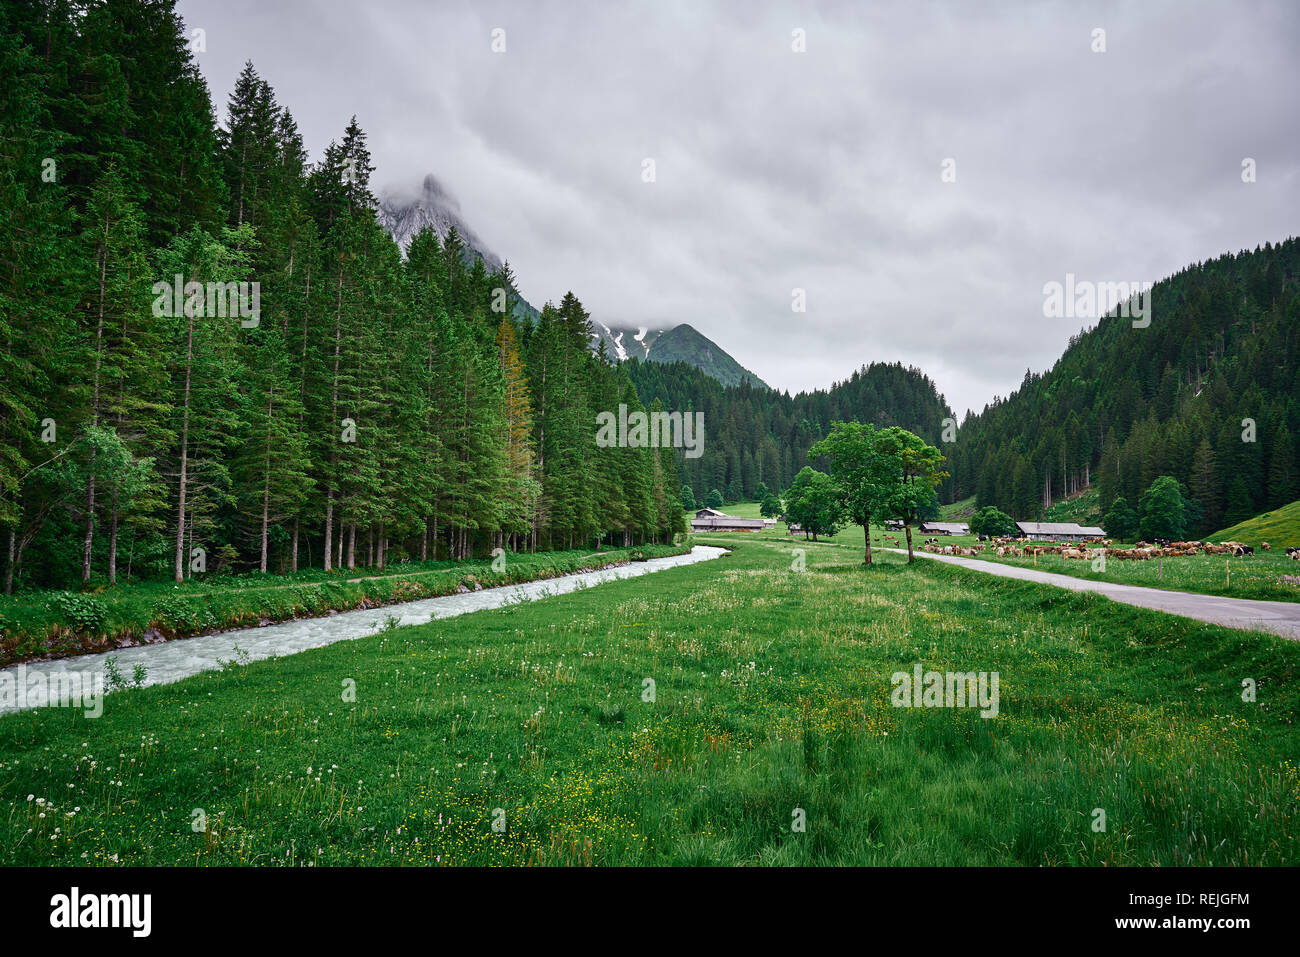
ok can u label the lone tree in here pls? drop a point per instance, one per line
(992, 522)
(770, 507)
(917, 473)
(863, 471)
(1164, 511)
(714, 500)
(814, 503)
(688, 498)
(1121, 522)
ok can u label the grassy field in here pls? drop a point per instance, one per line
(1262, 575)
(771, 698)
(959, 511)
(41, 623)
(1083, 509)
(1280, 528)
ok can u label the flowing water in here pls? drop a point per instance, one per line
(173, 660)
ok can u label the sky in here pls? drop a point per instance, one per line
(920, 171)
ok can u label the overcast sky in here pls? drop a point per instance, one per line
(818, 170)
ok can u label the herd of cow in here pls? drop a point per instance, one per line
(1142, 551)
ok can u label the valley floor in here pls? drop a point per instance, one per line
(1269, 576)
(1277, 617)
(696, 716)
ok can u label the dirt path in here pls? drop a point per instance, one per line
(1279, 617)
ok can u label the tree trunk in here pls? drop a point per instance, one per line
(88, 545)
(185, 442)
(907, 526)
(112, 546)
(9, 565)
(329, 529)
(266, 518)
(88, 549)
(293, 561)
(866, 531)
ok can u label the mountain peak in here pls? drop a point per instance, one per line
(680, 343)
(404, 214)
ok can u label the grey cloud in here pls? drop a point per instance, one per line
(818, 170)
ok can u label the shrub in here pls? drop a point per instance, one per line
(180, 613)
(85, 614)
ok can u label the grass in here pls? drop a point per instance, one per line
(42, 623)
(1280, 528)
(959, 511)
(1259, 576)
(1083, 508)
(771, 695)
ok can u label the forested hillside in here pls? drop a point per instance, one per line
(685, 343)
(757, 435)
(369, 408)
(1208, 393)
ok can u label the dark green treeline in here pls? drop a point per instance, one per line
(371, 408)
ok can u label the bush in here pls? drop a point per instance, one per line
(179, 613)
(85, 614)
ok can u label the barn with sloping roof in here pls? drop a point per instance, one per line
(1058, 531)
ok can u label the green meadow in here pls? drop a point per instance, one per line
(1264, 575)
(694, 716)
(1280, 528)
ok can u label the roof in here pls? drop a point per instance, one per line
(704, 512)
(1059, 528)
(726, 521)
(952, 528)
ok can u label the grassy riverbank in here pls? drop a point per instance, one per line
(59, 624)
(772, 695)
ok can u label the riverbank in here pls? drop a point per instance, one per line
(40, 626)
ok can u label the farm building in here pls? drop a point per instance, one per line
(1058, 531)
(945, 528)
(709, 520)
